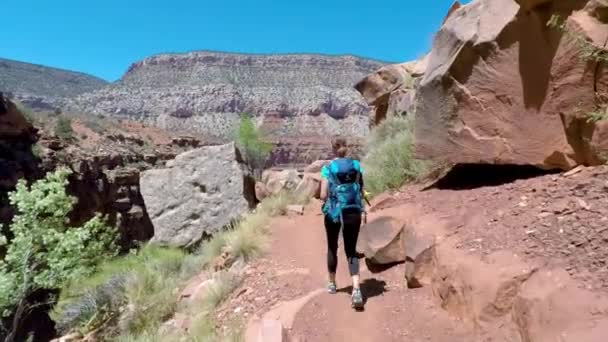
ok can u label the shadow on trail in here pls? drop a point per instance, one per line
(370, 288)
(376, 268)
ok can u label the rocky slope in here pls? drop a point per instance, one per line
(204, 92)
(106, 166)
(485, 258)
(42, 87)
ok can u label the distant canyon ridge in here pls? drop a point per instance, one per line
(300, 100)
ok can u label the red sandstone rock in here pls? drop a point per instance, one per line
(501, 85)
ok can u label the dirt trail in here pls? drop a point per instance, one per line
(555, 222)
(296, 264)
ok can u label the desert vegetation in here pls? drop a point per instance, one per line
(63, 128)
(130, 297)
(389, 161)
(252, 143)
(116, 297)
(599, 114)
(40, 252)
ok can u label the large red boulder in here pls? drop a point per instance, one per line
(503, 87)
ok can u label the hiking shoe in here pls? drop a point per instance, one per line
(332, 288)
(357, 299)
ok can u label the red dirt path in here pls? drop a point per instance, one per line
(295, 266)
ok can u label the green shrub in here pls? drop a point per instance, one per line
(246, 238)
(37, 150)
(137, 292)
(63, 128)
(389, 161)
(599, 114)
(252, 144)
(44, 253)
(387, 129)
(139, 288)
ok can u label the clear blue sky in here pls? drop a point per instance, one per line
(103, 37)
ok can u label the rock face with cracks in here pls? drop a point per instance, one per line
(503, 87)
(197, 194)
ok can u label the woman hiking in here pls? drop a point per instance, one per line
(341, 191)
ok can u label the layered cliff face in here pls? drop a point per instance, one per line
(44, 88)
(204, 92)
(297, 99)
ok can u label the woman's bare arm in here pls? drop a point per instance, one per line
(323, 189)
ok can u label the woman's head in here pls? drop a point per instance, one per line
(339, 147)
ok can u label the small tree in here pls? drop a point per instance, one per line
(252, 144)
(44, 253)
(63, 128)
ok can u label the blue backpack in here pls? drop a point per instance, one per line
(343, 179)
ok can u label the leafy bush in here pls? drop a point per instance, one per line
(387, 129)
(63, 128)
(247, 239)
(44, 253)
(137, 292)
(37, 150)
(252, 144)
(389, 161)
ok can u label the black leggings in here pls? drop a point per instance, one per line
(352, 224)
